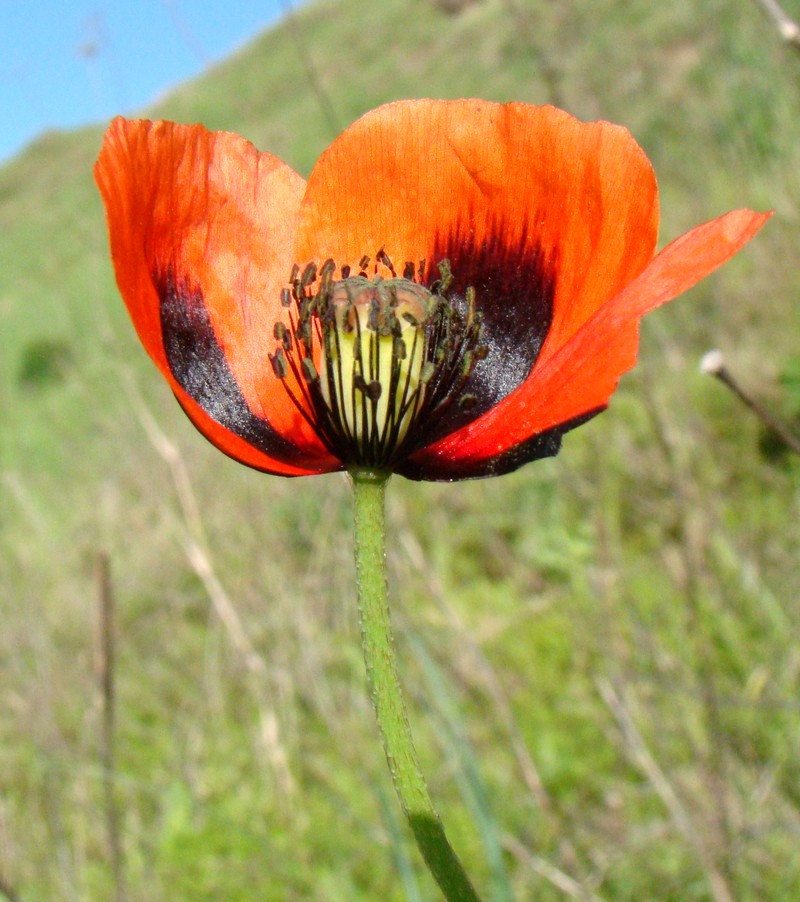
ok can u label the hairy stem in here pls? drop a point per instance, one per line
(369, 489)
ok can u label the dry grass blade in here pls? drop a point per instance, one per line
(713, 364)
(104, 666)
(479, 666)
(196, 550)
(788, 28)
(546, 869)
(194, 540)
(7, 892)
(323, 98)
(641, 757)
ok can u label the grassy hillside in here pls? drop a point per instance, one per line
(601, 650)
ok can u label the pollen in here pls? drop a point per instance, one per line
(369, 361)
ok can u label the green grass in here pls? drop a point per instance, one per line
(656, 556)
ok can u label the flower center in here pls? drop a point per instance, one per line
(372, 376)
(375, 360)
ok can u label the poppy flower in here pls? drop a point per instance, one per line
(456, 286)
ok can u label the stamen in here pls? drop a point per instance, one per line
(383, 257)
(374, 362)
(309, 370)
(309, 275)
(447, 276)
(279, 365)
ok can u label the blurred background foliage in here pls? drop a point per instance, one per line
(601, 651)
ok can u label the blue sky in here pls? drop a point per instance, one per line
(65, 64)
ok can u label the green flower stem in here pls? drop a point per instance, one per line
(369, 489)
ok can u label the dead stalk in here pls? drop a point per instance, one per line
(105, 658)
(695, 530)
(480, 667)
(641, 757)
(713, 364)
(788, 29)
(8, 892)
(560, 880)
(195, 547)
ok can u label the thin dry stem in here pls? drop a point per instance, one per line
(696, 527)
(642, 757)
(480, 666)
(196, 549)
(546, 869)
(7, 891)
(105, 668)
(788, 29)
(721, 372)
(314, 82)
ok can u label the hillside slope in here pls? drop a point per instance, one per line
(638, 593)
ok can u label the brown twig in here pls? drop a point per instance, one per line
(788, 29)
(481, 667)
(567, 885)
(642, 757)
(194, 540)
(7, 891)
(105, 658)
(713, 363)
(187, 33)
(195, 547)
(545, 58)
(694, 535)
(314, 81)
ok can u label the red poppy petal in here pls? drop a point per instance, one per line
(245, 452)
(410, 175)
(201, 227)
(442, 466)
(576, 379)
(545, 216)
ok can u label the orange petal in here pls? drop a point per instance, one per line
(207, 217)
(411, 176)
(579, 376)
(290, 464)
